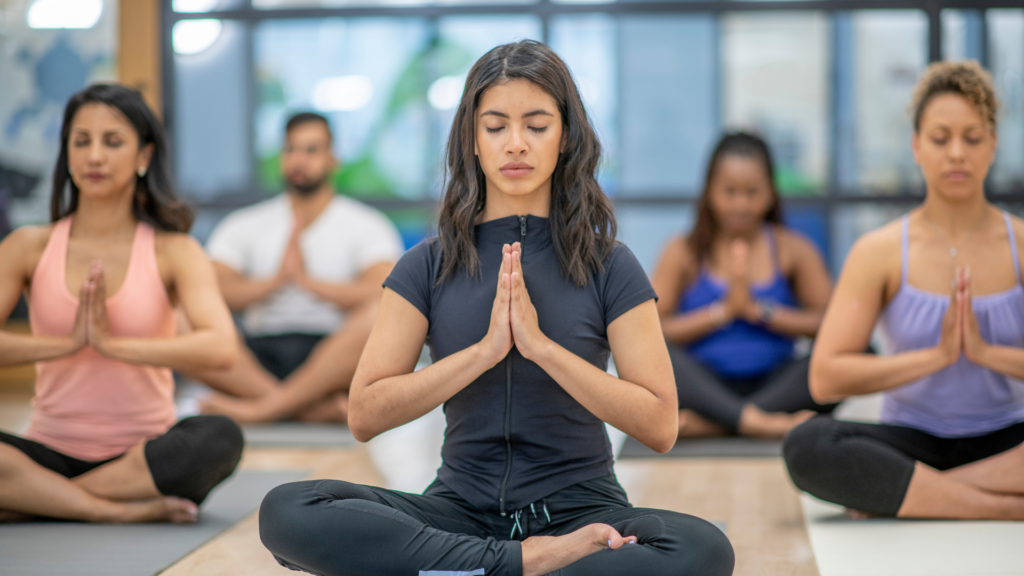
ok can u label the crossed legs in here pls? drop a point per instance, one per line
(316, 391)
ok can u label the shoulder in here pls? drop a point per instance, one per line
(29, 238)
(877, 250)
(427, 251)
(794, 244)
(352, 209)
(254, 214)
(621, 260)
(677, 251)
(26, 244)
(1017, 224)
(178, 247)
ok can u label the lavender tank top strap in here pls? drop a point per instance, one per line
(1013, 245)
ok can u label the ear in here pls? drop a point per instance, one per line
(915, 146)
(565, 138)
(145, 155)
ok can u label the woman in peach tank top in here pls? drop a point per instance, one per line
(102, 283)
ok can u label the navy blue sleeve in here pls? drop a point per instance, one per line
(625, 284)
(412, 277)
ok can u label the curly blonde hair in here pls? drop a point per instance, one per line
(966, 78)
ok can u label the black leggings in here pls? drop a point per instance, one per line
(188, 461)
(282, 354)
(721, 400)
(867, 467)
(334, 528)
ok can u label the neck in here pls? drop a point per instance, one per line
(500, 205)
(727, 236)
(309, 207)
(955, 218)
(105, 219)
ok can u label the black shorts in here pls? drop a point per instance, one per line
(282, 354)
(188, 461)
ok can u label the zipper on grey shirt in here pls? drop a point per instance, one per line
(508, 393)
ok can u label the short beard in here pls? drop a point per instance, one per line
(308, 189)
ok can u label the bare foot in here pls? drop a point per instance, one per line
(164, 509)
(545, 554)
(6, 516)
(757, 423)
(693, 425)
(241, 410)
(333, 409)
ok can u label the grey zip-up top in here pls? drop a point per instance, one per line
(514, 436)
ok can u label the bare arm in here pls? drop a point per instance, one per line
(212, 343)
(348, 295)
(387, 393)
(642, 402)
(813, 289)
(19, 254)
(675, 272)
(239, 292)
(839, 366)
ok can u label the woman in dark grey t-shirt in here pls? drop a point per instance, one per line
(521, 298)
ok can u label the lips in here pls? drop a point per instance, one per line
(516, 169)
(95, 176)
(957, 175)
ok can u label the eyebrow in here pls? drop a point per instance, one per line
(538, 112)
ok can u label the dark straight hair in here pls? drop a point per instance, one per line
(154, 201)
(581, 218)
(743, 144)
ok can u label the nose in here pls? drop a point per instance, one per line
(516, 144)
(95, 152)
(956, 149)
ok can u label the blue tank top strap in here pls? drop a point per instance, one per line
(1013, 245)
(904, 242)
(773, 248)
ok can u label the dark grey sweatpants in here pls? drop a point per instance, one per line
(334, 528)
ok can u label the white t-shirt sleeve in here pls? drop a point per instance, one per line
(379, 241)
(227, 243)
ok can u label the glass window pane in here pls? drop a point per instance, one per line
(775, 82)
(366, 76)
(880, 56)
(962, 35)
(588, 46)
(211, 135)
(199, 6)
(669, 115)
(646, 229)
(1006, 59)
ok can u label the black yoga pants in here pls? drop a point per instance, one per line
(334, 528)
(282, 354)
(867, 467)
(721, 400)
(193, 457)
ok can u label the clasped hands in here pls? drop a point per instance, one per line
(738, 302)
(513, 316)
(960, 332)
(91, 325)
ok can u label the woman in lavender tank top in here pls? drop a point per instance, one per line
(944, 286)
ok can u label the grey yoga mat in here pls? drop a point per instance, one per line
(77, 549)
(732, 447)
(297, 435)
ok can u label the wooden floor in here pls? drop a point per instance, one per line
(752, 496)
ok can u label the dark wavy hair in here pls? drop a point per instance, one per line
(743, 144)
(154, 201)
(581, 217)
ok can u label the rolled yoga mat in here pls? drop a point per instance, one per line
(298, 435)
(732, 447)
(48, 548)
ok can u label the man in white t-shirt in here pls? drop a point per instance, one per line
(304, 270)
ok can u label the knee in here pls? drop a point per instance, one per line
(196, 455)
(219, 442)
(699, 548)
(805, 448)
(289, 519)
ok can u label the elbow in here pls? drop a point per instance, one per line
(820, 385)
(361, 427)
(664, 442)
(224, 355)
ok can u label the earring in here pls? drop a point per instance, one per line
(142, 172)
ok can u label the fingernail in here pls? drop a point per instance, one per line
(609, 543)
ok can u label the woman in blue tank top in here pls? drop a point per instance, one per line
(943, 284)
(733, 296)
